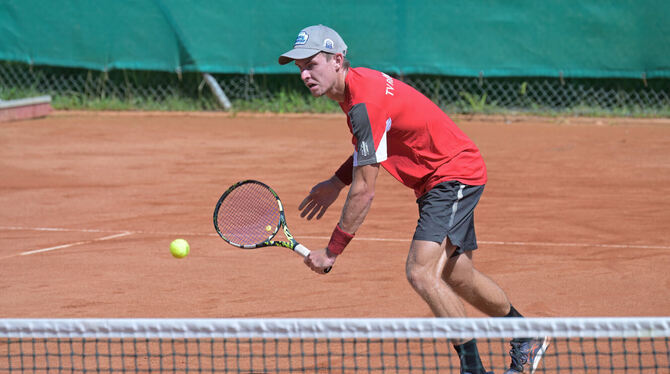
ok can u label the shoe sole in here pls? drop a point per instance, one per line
(539, 354)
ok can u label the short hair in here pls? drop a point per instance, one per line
(345, 64)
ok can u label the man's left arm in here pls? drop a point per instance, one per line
(359, 199)
(369, 124)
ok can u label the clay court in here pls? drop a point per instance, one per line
(574, 220)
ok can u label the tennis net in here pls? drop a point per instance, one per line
(412, 345)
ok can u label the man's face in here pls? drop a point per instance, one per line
(318, 73)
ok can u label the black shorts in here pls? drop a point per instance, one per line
(448, 210)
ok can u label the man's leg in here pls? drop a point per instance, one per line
(440, 278)
(474, 287)
(484, 294)
(441, 273)
(425, 264)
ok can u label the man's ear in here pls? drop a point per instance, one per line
(339, 61)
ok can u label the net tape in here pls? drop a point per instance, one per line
(379, 328)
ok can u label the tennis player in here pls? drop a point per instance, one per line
(396, 127)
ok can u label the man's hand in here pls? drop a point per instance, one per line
(319, 260)
(320, 198)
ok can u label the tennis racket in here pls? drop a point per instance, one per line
(249, 215)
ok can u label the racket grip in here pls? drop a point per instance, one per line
(305, 252)
(302, 250)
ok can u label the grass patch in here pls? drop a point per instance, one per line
(14, 93)
(295, 102)
(288, 102)
(170, 103)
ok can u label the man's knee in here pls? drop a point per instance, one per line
(420, 277)
(424, 265)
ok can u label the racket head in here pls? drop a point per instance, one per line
(248, 215)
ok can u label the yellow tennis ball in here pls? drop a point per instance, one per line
(179, 248)
(268, 228)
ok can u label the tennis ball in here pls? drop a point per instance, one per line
(268, 228)
(179, 248)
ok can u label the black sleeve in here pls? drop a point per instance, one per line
(362, 129)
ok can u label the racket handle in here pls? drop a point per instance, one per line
(302, 250)
(305, 252)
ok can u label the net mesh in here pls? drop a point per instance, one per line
(590, 345)
(249, 214)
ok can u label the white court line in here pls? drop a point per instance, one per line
(533, 244)
(503, 243)
(541, 244)
(74, 244)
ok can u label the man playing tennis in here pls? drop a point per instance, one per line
(395, 126)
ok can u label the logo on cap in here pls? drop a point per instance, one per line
(328, 44)
(302, 38)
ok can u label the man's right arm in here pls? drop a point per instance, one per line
(325, 193)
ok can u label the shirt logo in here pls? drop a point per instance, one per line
(328, 44)
(363, 149)
(389, 84)
(302, 38)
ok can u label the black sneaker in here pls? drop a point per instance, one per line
(526, 356)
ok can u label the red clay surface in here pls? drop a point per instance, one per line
(574, 220)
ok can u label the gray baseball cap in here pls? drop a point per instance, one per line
(312, 40)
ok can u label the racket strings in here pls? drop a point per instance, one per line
(249, 214)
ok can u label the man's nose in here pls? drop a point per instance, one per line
(304, 75)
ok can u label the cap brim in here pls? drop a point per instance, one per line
(297, 54)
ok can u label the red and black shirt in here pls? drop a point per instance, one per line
(413, 139)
